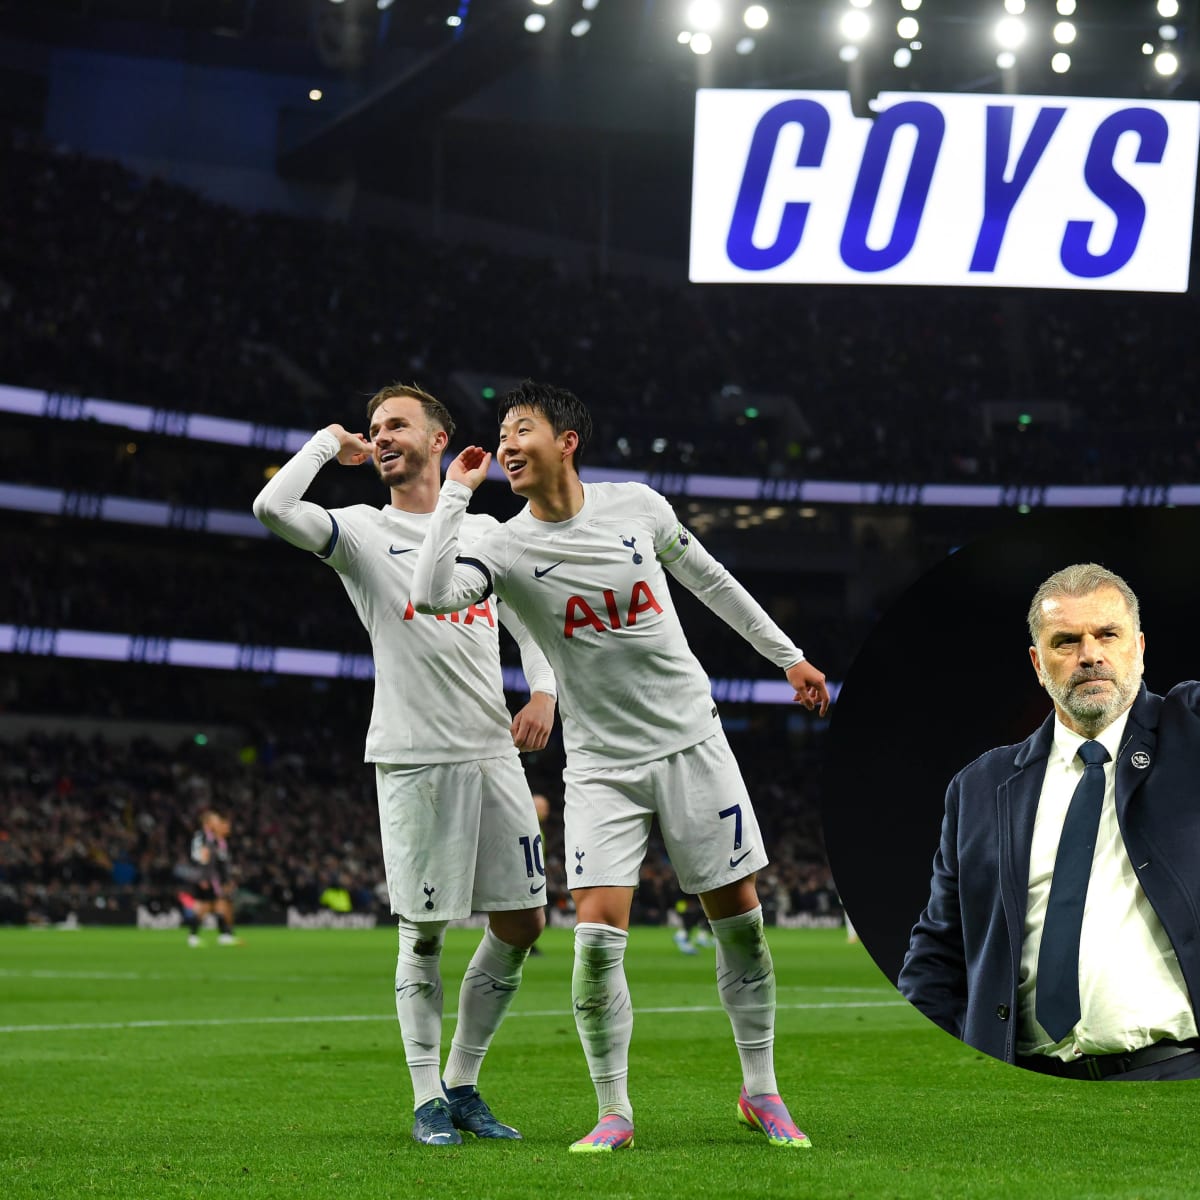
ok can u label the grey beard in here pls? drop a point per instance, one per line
(1095, 713)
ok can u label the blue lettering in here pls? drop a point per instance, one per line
(1000, 195)
(739, 246)
(1118, 193)
(930, 127)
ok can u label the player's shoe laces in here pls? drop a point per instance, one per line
(470, 1113)
(611, 1133)
(768, 1114)
(432, 1125)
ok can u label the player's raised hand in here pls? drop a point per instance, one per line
(470, 467)
(353, 448)
(810, 686)
(531, 726)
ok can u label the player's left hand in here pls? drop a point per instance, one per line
(531, 726)
(810, 686)
(470, 467)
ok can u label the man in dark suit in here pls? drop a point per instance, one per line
(1062, 931)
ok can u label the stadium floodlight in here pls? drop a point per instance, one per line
(1064, 33)
(701, 43)
(1006, 60)
(1168, 8)
(1165, 63)
(1147, 48)
(1014, 7)
(1168, 33)
(855, 25)
(756, 17)
(535, 23)
(684, 36)
(1066, 8)
(1060, 64)
(908, 27)
(580, 27)
(848, 54)
(745, 45)
(544, 3)
(860, 3)
(315, 94)
(910, 5)
(454, 20)
(590, 5)
(915, 45)
(384, 5)
(1010, 32)
(902, 58)
(704, 15)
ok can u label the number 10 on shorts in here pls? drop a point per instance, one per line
(533, 855)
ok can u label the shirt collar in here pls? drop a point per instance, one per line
(1067, 741)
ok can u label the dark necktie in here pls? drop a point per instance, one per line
(1058, 959)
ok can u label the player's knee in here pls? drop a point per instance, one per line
(421, 939)
(519, 928)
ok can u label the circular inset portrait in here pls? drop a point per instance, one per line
(1013, 816)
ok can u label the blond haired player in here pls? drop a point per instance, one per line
(458, 825)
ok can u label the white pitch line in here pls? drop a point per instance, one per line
(173, 975)
(11, 973)
(346, 1018)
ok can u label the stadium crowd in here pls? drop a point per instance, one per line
(95, 827)
(135, 289)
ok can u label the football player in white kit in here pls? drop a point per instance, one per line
(583, 565)
(457, 822)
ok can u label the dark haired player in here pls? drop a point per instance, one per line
(456, 818)
(583, 564)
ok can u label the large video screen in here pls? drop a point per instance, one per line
(951, 190)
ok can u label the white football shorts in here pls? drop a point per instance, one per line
(459, 838)
(703, 809)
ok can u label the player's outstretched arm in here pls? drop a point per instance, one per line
(280, 507)
(809, 684)
(442, 582)
(689, 562)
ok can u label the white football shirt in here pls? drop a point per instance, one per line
(439, 692)
(593, 592)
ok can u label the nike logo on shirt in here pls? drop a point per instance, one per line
(733, 862)
(534, 889)
(406, 550)
(546, 570)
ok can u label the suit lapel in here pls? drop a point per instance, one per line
(1016, 807)
(1135, 758)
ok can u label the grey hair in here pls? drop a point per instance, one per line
(1081, 579)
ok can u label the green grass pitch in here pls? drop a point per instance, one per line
(131, 1066)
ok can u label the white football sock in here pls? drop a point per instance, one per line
(488, 988)
(746, 983)
(603, 1013)
(419, 1005)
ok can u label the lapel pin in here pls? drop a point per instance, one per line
(1140, 759)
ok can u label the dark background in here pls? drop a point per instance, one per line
(945, 675)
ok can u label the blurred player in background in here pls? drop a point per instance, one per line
(212, 886)
(583, 564)
(691, 936)
(458, 826)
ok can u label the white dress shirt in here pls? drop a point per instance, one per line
(1131, 990)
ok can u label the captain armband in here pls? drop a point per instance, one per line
(676, 548)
